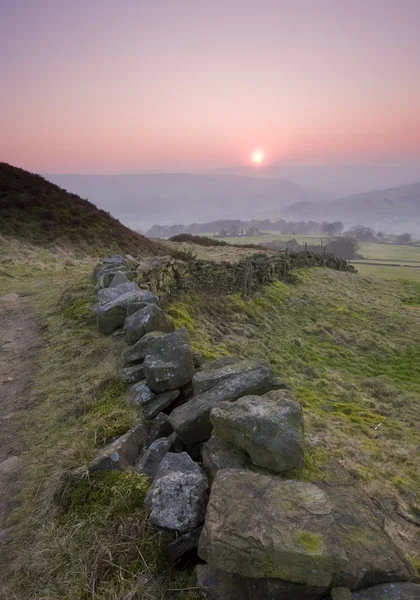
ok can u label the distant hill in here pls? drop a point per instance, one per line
(144, 199)
(394, 209)
(336, 181)
(39, 212)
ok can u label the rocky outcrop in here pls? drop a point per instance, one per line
(268, 428)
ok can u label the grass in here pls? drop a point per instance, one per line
(389, 273)
(77, 536)
(349, 346)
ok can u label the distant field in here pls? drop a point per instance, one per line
(384, 272)
(313, 240)
(389, 252)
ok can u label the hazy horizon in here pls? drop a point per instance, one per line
(184, 86)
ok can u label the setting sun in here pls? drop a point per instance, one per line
(257, 157)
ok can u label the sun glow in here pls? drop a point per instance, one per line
(257, 157)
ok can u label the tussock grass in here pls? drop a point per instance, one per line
(75, 536)
(350, 348)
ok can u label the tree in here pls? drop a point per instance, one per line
(404, 238)
(332, 229)
(343, 247)
(361, 233)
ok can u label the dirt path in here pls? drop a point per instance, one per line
(20, 343)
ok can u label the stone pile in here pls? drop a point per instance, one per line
(222, 444)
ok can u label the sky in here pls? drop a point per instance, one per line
(100, 86)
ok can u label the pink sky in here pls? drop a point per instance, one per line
(137, 85)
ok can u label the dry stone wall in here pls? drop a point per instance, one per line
(222, 444)
(166, 276)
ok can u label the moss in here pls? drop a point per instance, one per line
(312, 543)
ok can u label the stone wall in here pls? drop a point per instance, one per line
(166, 276)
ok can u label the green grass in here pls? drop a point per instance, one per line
(349, 346)
(389, 273)
(77, 536)
(390, 252)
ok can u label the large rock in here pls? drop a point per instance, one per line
(218, 454)
(173, 463)
(122, 452)
(192, 420)
(269, 428)
(153, 456)
(263, 527)
(111, 293)
(137, 353)
(390, 591)
(147, 319)
(111, 316)
(169, 364)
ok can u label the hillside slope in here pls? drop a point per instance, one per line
(396, 207)
(39, 212)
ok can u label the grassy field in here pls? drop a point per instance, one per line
(389, 273)
(348, 345)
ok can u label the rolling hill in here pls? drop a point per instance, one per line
(141, 200)
(41, 213)
(394, 209)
